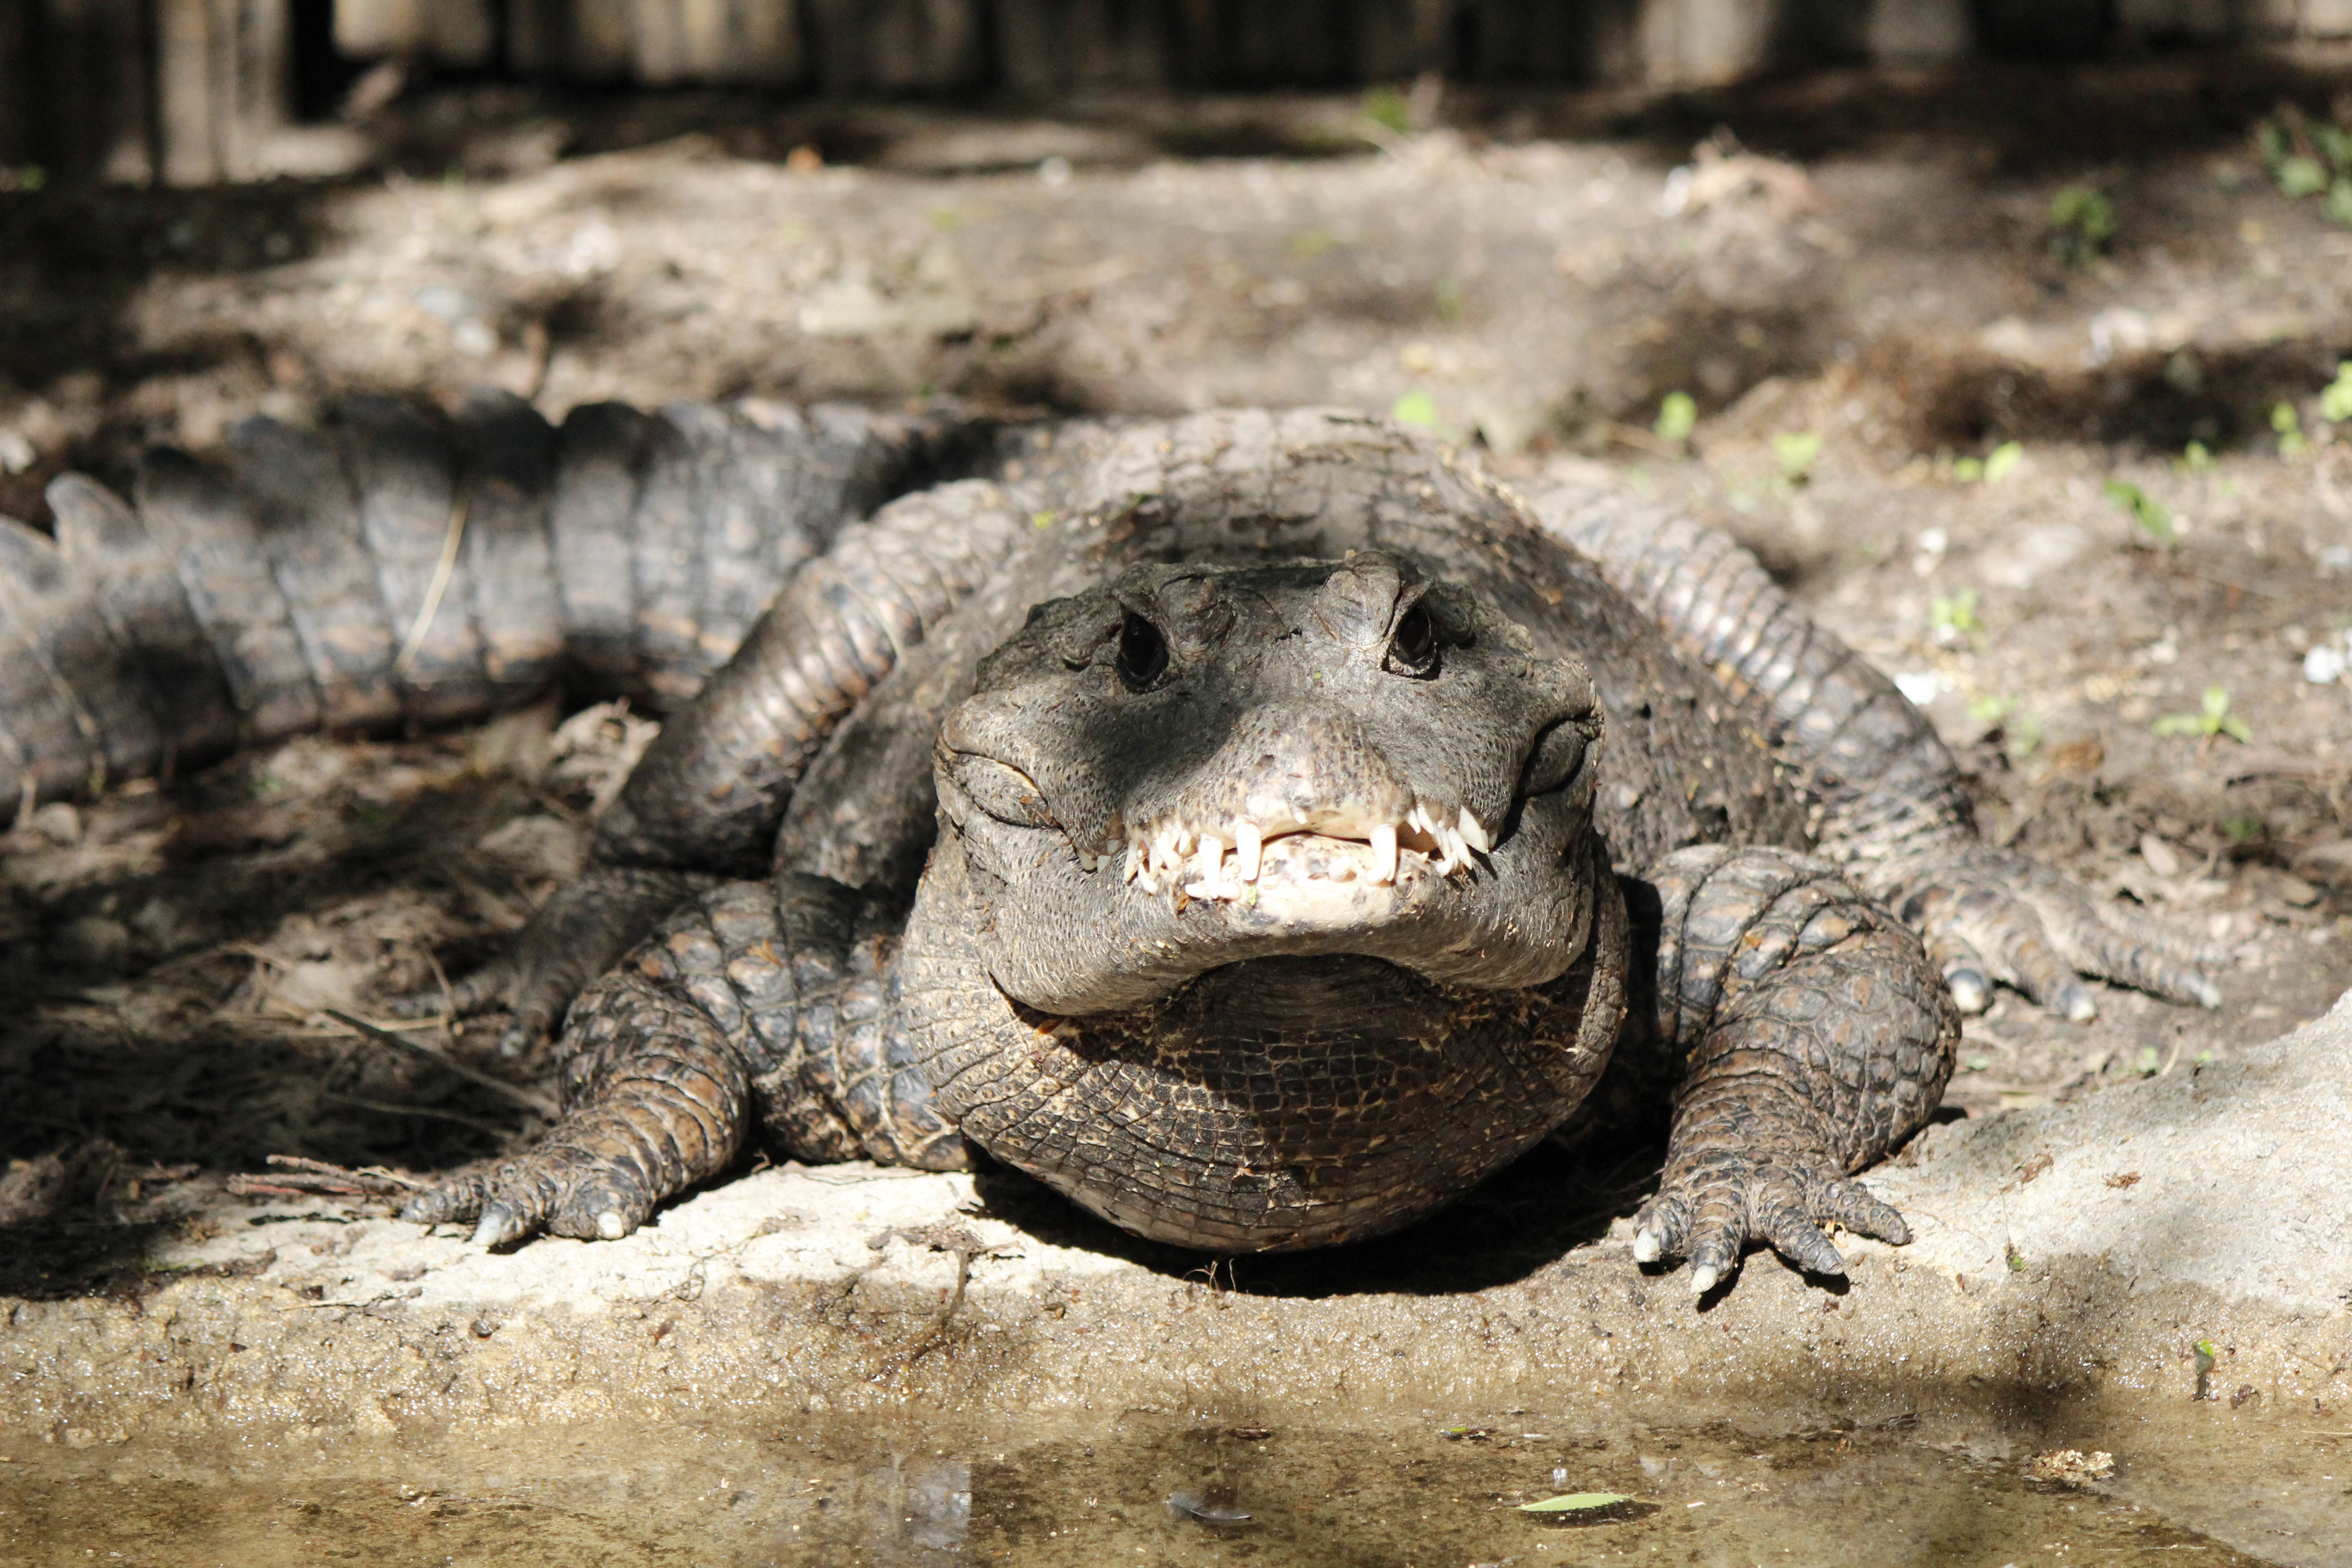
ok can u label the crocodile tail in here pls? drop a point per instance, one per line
(401, 567)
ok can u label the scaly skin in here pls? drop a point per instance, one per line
(1308, 830)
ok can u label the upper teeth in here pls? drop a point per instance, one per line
(1172, 854)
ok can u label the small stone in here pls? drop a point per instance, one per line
(485, 1327)
(58, 823)
(2161, 857)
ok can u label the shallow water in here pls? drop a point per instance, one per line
(1097, 1490)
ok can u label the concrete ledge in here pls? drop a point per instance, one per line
(2038, 1272)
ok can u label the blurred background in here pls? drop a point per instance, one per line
(189, 91)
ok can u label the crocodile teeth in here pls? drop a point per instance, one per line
(1384, 852)
(1134, 859)
(1450, 853)
(1474, 834)
(1212, 858)
(1249, 848)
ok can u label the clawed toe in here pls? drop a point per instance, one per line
(558, 1191)
(1758, 1205)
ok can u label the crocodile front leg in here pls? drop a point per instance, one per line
(755, 1004)
(1807, 1034)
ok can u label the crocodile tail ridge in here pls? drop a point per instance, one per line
(401, 566)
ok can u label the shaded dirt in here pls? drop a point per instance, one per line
(1859, 283)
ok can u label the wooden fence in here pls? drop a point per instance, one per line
(190, 91)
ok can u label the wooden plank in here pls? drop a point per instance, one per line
(460, 33)
(1064, 46)
(895, 45)
(86, 108)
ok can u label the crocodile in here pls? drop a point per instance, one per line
(1259, 827)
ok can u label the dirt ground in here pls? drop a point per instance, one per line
(2025, 457)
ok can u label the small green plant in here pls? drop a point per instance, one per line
(1447, 298)
(2148, 514)
(1309, 243)
(1952, 619)
(1415, 409)
(2015, 1258)
(2308, 158)
(1991, 469)
(2082, 224)
(1677, 417)
(2212, 719)
(2195, 458)
(2287, 425)
(2243, 829)
(1389, 108)
(1795, 451)
(2335, 397)
(1044, 518)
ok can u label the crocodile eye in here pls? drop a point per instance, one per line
(1413, 646)
(1142, 652)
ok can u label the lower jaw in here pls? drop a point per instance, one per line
(1287, 1103)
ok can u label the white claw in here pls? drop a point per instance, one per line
(1703, 1279)
(1474, 833)
(1384, 852)
(1647, 1248)
(1212, 858)
(611, 1227)
(1249, 848)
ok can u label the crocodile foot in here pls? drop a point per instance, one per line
(1718, 1199)
(1990, 914)
(657, 1100)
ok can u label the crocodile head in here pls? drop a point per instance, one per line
(1200, 766)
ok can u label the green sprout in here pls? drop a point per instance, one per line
(2335, 397)
(1952, 619)
(2288, 427)
(2214, 719)
(1991, 469)
(2243, 829)
(1044, 518)
(1795, 450)
(2195, 458)
(1389, 108)
(1415, 409)
(1677, 417)
(2016, 1259)
(2206, 1358)
(2309, 158)
(2148, 513)
(2081, 224)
